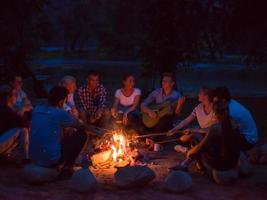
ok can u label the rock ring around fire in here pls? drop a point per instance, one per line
(129, 177)
(83, 181)
(177, 182)
(37, 174)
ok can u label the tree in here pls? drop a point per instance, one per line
(23, 26)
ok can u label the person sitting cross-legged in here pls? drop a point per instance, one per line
(220, 148)
(12, 124)
(126, 101)
(204, 115)
(167, 93)
(50, 145)
(91, 101)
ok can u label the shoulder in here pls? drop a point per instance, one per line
(118, 93)
(101, 87)
(198, 108)
(137, 91)
(82, 88)
(156, 91)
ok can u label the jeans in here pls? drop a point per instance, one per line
(9, 140)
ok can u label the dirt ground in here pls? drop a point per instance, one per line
(13, 186)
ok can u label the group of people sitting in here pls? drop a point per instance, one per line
(53, 135)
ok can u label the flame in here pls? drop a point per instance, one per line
(119, 145)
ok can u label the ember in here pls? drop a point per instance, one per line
(117, 149)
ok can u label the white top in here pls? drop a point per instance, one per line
(69, 104)
(244, 121)
(127, 101)
(204, 120)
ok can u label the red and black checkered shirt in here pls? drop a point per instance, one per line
(91, 102)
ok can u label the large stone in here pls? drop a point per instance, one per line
(37, 174)
(128, 177)
(101, 157)
(224, 177)
(83, 181)
(178, 182)
(244, 165)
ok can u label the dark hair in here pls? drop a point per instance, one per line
(92, 73)
(230, 139)
(12, 77)
(5, 92)
(125, 76)
(222, 93)
(208, 91)
(169, 74)
(57, 94)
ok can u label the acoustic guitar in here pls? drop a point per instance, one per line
(163, 109)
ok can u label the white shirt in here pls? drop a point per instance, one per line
(69, 104)
(204, 120)
(244, 120)
(127, 101)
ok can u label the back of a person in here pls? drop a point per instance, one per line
(225, 151)
(244, 120)
(45, 135)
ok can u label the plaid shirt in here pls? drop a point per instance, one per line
(91, 102)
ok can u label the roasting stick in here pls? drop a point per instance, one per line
(156, 134)
(167, 141)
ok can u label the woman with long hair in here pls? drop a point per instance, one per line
(219, 149)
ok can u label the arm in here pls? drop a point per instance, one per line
(102, 102)
(114, 108)
(180, 104)
(146, 102)
(185, 122)
(204, 141)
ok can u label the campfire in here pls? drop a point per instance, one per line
(117, 149)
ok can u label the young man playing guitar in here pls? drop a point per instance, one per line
(168, 102)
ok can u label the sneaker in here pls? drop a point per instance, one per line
(180, 149)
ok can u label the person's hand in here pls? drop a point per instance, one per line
(27, 108)
(181, 100)
(98, 114)
(189, 153)
(74, 112)
(70, 131)
(125, 118)
(177, 112)
(152, 114)
(187, 131)
(92, 120)
(113, 112)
